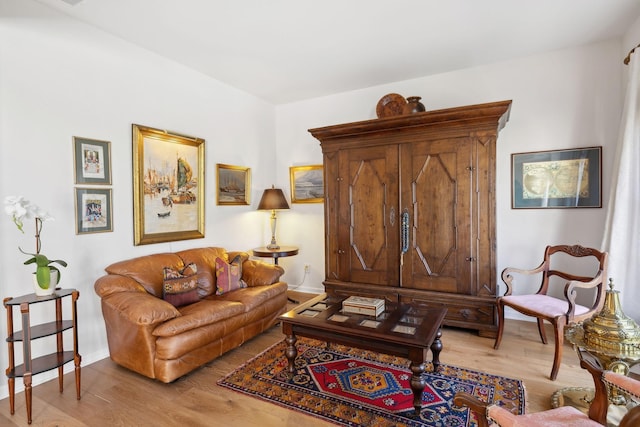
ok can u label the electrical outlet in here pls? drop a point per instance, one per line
(307, 268)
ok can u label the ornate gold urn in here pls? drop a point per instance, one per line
(610, 335)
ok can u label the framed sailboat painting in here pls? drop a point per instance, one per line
(234, 185)
(168, 186)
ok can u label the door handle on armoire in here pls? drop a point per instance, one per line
(404, 232)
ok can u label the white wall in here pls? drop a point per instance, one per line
(564, 99)
(59, 79)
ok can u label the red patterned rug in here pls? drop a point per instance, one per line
(353, 387)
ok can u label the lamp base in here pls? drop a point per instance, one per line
(273, 246)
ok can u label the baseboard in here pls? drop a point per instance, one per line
(308, 289)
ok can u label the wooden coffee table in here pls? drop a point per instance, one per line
(404, 330)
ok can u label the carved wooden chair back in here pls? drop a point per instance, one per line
(557, 300)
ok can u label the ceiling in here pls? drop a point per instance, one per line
(288, 50)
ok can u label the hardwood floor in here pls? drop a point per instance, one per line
(113, 396)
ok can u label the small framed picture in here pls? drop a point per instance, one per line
(93, 210)
(92, 160)
(234, 185)
(557, 179)
(307, 185)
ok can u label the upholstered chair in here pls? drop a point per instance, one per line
(565, 416)
(555, 300)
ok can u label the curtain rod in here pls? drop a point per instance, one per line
(628, 58)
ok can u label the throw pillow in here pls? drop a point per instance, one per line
(229, 275)
(180, 287)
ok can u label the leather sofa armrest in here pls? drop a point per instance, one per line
(260, 273)
(114, 283)
(127, 297)
(140, 308)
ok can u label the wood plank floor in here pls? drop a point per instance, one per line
(113, 396)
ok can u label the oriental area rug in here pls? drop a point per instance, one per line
(352, 387)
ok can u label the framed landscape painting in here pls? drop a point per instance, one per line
(307, 185)
(557, 179)
(234, 185)
(168, 186)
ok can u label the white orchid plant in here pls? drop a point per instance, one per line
(20, 209)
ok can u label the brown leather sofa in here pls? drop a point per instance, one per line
(152, 337)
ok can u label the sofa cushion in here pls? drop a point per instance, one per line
(228, 275)
(146, 270)
(253, 297)
(258, 273)
(199, 314)
(180, 286)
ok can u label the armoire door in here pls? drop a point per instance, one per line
(436, 193)
(367, 215)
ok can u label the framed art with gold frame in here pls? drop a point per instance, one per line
(168, 186)
(557, 179)
(307, 184)
(234, 185)
(94, 210)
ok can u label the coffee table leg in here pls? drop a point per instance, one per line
(291, 352)
(436, 348)
(417, 385)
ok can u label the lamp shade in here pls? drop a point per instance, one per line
(273, 198)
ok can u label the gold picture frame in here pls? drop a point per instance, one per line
(168, 186)
(307, 184)
(234, 185)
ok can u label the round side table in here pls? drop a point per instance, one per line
(281, 252)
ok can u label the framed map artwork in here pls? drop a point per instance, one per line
(557, 179)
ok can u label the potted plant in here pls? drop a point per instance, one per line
(20, 209)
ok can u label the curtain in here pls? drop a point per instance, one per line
(622, 227)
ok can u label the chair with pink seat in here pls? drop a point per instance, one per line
(555, 300)
(565, 416)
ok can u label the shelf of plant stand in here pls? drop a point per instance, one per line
(35, 299)
(43, 363)
(43, 330)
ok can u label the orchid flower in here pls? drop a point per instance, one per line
(21, 209)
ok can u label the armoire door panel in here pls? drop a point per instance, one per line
(435, 179)
(369, 239)
(484, 204)
(331, 219)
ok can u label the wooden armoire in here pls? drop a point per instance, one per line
(410, 210)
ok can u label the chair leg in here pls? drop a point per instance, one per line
(558, 325)
(541, 331)
(500, 325)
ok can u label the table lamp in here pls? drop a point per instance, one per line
(273, 199)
